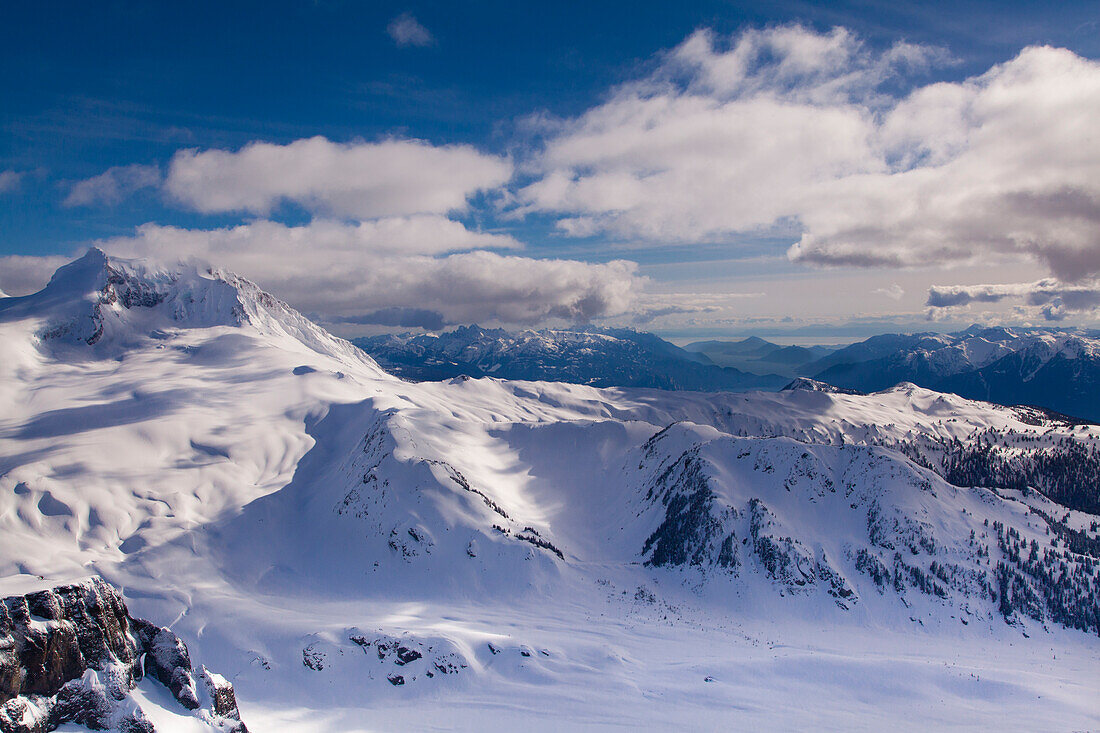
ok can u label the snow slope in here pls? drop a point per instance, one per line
(356, 552)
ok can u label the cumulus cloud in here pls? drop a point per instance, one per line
(1049, 298)
(113, 185)
(323, 242)
(1002, 164)
(720, 140)
(791, 129)
(380, 247)
(9, 180)
(406, 30)
(376, 270)
(355, 180)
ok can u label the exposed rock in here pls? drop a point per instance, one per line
(813, 385)
(167, 660)
(412, 659)
(313, 658)
(224, 701)
(73, 654)
(50, 637)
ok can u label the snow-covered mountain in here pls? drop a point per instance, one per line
(355, 552)
(1055, 369)
(601, 357)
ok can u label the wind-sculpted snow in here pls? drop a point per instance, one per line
(353, 551)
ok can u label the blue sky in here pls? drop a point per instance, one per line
(90, 88)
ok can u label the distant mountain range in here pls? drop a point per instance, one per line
(1051, 368)
(600, 357)
(757, 356)
(1055, 369)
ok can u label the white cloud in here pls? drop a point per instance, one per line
(343, 270)
(1004, 164)
(23, 274)
(719, 141)
(9, 180)
(355, 180)
(324, 242)
(113, 185)
(405, 30)
(1049, 298)
(892, 291)
(787, 128)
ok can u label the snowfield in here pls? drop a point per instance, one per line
(356, 552)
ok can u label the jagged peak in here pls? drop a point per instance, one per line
(812, 385)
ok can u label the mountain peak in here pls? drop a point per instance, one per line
(83, 271)
(99, 299)
(812, 385)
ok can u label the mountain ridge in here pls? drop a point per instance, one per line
(601, 357)
(339, 542)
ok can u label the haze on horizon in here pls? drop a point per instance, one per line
(799, 172)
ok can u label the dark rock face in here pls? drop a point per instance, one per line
(412, 660)
(167, 660)
(71, 655)
(51, 637)
(224, 701)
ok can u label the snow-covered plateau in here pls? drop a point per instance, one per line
(356, 552)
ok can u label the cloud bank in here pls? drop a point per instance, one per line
(793, 130)
(380, 247)
(352, 272)
(24, 274)
(1049, 298)
(847, 150)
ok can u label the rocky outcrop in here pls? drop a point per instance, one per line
(167, 660)
(223, 702)
(72, 654)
